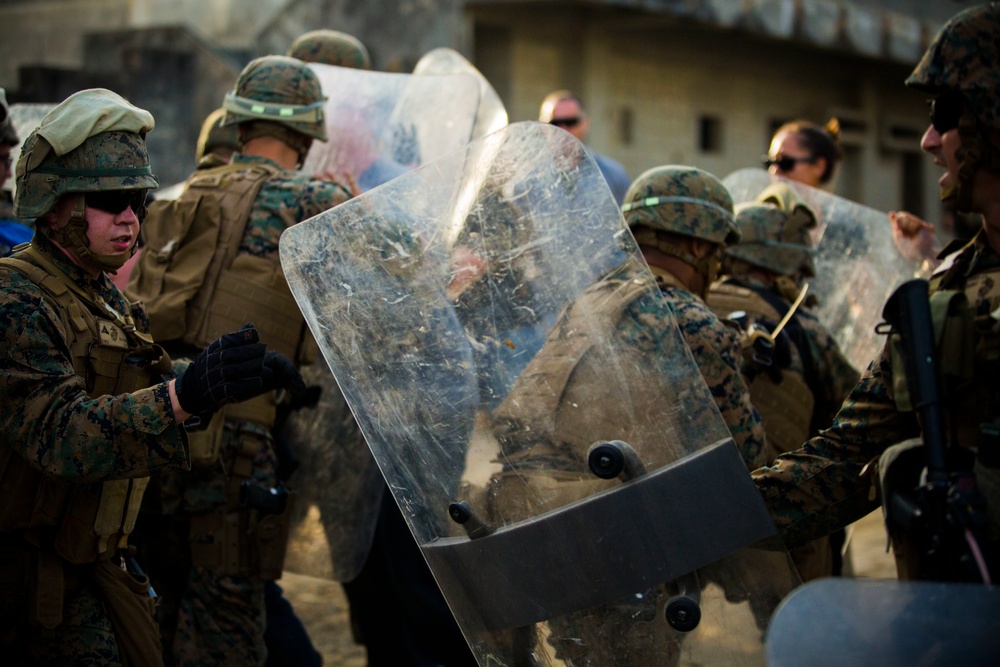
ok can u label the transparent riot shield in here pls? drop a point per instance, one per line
(381, 125)
(25, 118)
(857, 264)
(492, 114)
(886, 623)
(536, 413)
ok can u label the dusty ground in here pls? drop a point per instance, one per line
(322, 607)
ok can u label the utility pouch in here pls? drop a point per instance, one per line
(253, 289)
(270, 535)
(75, 538)
(219, 539)
(204, 445)
(131, 609)
(48, 588)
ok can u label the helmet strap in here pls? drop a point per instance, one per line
(74, 235)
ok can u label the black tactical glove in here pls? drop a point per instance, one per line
(229, 370)
(280, 373)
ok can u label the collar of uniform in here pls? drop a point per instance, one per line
(240, 158)
(666, 279)
(962, 257)
(102, 286)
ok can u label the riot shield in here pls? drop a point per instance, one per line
(886, 623)
(536, 413)
(492, 114)
(857, 264)
(380, 125)
(25, 118)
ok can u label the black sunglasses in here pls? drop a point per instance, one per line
(946, 110)
(116, 201)
(566, 122)
(785, 163)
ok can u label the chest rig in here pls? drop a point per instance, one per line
(966, 314)
(82, 523)
(786, 404)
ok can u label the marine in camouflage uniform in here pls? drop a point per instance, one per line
(331, 47)
(831, 482)
(87, 414)
(669, 210)
(800, 382)
(545, 445)
(218, 616)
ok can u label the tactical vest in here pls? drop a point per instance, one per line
(197, 286)
(559, 406)
(786, 407)
(84, 523)
(968, 346)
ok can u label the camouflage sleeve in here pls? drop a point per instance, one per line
(319, 196)
(836, 374)
(820, 488)
(50, 420)
(715, 347)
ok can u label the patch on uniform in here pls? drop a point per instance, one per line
(111, 335)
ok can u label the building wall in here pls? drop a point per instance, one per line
(652, 86)
(52, 32)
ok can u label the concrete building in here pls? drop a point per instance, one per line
(702, 82)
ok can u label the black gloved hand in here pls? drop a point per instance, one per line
(280, 373)
(229, 370)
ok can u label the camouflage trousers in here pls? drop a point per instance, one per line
(220, 621)
(85, 638)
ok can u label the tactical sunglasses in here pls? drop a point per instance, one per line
(784, 162)
(572, 121)
(116, 201)
(946, 110)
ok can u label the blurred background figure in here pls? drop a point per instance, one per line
(806, 152)
(564, 109)
(12, 232)
(331, 47)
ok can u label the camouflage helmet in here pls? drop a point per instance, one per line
(214, 136)
(960, 71)
(281, 90)
(8, 135)
(774, 239)
(92, 142)
(331, 47)
(682, 200)
(963, 59)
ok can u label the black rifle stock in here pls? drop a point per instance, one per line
(948, 509)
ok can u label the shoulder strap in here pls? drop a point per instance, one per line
(50, 277)
(539, 390)
(237, 186)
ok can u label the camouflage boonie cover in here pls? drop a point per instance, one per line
(682, 200)
(331, 47)
(963, 58)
